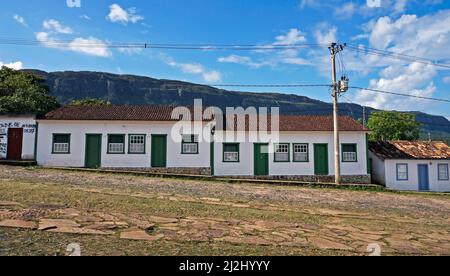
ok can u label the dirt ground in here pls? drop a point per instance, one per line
(42, 211)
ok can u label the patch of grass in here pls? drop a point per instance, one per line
(32, 193)
(16, 242)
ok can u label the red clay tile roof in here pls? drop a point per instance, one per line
(318, 123)
(113, 113)
(304, 123)
(410, 150)
(163, 113)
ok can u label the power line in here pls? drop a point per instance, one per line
(327, 85)
(168, 46)
(390, 54)
(269, 85)
(401, 94)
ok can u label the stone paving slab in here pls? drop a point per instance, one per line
(139, 235)
(14, 223)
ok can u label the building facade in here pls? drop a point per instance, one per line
(411, 166)
(148, 138)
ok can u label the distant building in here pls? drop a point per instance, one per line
(17, 136)
(412, 166)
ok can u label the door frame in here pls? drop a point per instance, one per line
(152, 150)
(327, 158)
(86, 144)
(254, 159)
(419, 179)
(9, 144)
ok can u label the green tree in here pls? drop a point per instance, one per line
(387, 125)
(89, 102)
(22, 92)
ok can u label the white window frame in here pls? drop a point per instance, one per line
(282, 150)
(61, 148)
(350, 156)
(231, 156)
(301, 150)
(446, 177)
(398, 172)
(136, 143)
(116, 148)
(189, 144)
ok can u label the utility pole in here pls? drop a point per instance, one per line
(364, 116)
(337, 89)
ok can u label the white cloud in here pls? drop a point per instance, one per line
(212, 76)
(325, 34)
(235, 59)
(55, 26)
(309, 3)
(130, 51)
(446, 80)
(88, 46)
(18, 65)
(290, 56)
(345, 11)
(194, 69)
(84, 16)
(400, 6)
(19, 19)
(294, 36)
(243, 60)
(427, 36)
(119, 15)
(415, 79)
(84, 45)
(46, 40)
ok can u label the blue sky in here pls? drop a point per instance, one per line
(420, 28)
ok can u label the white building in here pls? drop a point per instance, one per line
(411, 166)
(17, 137)
(147, 138)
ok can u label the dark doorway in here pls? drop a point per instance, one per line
(15, 142)
(93, 151)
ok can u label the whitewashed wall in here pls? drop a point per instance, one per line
(175, 159)
(412, 184)
(78, 131)
(245, 166)
(28, 123)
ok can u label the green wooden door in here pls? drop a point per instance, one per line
(159, 151)
(261, 159)
(321, 159)
(93, 156)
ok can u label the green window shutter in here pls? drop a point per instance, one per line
(231, 147)
(61, 138)
(349, 148)
(116, 139)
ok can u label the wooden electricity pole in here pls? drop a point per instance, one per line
(335, 49)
